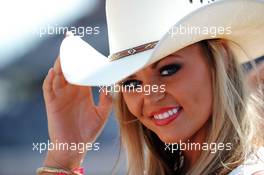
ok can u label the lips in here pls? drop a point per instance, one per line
(166, 115)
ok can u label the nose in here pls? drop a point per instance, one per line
(151, 100)
(154, 96)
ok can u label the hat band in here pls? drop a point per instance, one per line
(132, 51)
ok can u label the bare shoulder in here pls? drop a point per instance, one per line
(259, 173)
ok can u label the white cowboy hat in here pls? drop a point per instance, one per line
(142, 32)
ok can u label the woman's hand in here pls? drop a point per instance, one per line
(72, 116)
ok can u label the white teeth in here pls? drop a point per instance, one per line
(166, 114)
(175, 110)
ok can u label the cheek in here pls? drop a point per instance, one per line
(199, 96)
(194, 92)
(201, 100)
(133, 103)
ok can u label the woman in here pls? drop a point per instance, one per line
(205, 102)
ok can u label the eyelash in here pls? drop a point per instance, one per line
(130, 83)
(170, 68)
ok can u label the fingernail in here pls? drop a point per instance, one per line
(49, 71)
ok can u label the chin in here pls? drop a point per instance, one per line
(166, 138)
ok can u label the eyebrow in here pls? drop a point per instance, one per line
(154, 65)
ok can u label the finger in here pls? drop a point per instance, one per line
(57, 67)
(105, 104)
(58, 82)
(87, 93)
(47, 86)
(105, 99)
(63, 79)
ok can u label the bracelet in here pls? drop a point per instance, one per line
(59, 171)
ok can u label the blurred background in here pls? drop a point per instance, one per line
(30, 38)
(29, 45)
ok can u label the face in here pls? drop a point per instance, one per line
(183, 105)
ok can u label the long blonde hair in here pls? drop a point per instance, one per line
(236, 119)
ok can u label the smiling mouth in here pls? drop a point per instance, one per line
(167, 115)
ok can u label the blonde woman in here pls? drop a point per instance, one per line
(182, 105)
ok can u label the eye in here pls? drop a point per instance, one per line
(169, 69)
(130, 84)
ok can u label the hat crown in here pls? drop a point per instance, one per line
(135, 22)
